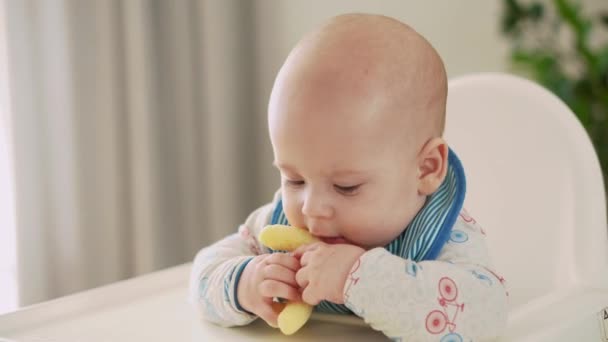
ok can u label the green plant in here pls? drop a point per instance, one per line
(551, 41)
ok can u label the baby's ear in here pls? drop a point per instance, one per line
(432, 165)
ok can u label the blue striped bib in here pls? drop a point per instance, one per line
(430, 229)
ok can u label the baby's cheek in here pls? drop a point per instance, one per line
(293, 212)
(360, 235)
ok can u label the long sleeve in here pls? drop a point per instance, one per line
(458, 295)
(217, 269)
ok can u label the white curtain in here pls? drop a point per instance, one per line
(132, 135)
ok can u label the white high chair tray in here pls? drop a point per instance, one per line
(153, 307)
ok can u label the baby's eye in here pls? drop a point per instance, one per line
(293, 182)
(347, 190)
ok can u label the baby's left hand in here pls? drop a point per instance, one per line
(324, 270)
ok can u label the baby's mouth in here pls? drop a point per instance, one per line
(334, 240)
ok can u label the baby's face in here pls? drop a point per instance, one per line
(350, 114)
(346, 176)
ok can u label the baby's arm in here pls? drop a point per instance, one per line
(217, 269)
(458, 293)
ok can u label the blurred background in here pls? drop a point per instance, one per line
(133, 132)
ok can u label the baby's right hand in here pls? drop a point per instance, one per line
(265, 277)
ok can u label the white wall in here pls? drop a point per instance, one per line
(8, 279)
(465, 33)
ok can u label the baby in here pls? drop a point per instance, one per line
(356, 117)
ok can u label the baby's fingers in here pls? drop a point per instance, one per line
(280, 273)
(271, 288)
(302, 278)
(310, 296)
(285, 260)
(305, 248)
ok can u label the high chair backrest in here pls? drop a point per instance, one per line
(534, 184)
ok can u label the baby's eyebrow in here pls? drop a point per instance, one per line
(344, 173)
(283, 166)
(336, 173)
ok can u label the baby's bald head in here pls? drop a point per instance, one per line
(378, 65)
(355, 118)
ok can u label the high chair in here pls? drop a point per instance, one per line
(535, 185)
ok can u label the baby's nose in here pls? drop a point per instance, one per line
(317, 208)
